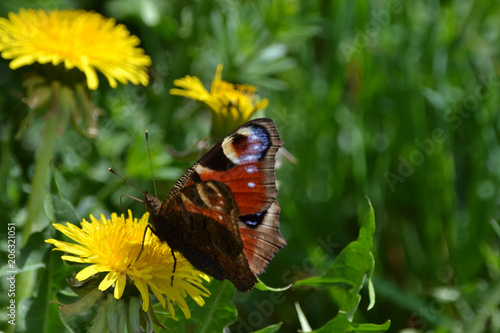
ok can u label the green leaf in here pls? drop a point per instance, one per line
(353, 266)
(270, 329)
(342, 324)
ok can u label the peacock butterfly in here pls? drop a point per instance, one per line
(222, 214)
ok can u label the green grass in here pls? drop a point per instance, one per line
(355, 88)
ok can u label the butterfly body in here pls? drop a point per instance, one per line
(222, 214)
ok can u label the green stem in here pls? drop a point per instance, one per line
(35, 200)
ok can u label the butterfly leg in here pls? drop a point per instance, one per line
(143, 239)
(173, 271)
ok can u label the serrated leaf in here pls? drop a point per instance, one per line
(353, 266)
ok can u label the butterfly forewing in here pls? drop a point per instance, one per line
(244, 160)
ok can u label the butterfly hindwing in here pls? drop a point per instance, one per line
(261, 237)
(201, 222)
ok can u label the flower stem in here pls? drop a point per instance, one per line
(35, 200)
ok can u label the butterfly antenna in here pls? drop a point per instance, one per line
(151, 163)
(126, 181)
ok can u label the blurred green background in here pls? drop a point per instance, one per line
(396, 101)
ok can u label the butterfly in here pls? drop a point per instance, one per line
(222, 214)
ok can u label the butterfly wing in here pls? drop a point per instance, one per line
(244, 161)
(241, 169)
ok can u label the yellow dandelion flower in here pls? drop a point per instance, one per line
(77, 39)
(113, 245)
(232, 103)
